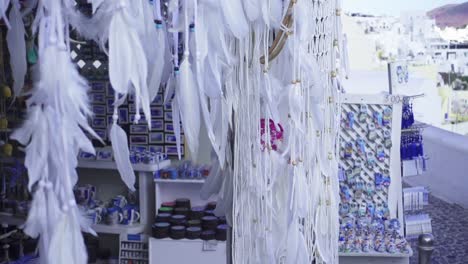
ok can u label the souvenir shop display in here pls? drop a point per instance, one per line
(178, 220)
(120, 210)
(415, 198)
(417, 224)
(17, 247)
(414, 161)
(15, 198)
(133, 249)
(136, 155)
(186, 170)
(371, 209)
(264, 80)
(372, 235)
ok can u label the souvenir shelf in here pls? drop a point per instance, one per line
(168, 251)
(370, 158)
(412, 154)
(15, 220)
(133, 249)
(11, 219)
(201, 181)
(144, 172)
(110, 165)
(414, 164)
(170, 190)
(120, 229)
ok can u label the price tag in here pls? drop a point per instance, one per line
(210, 245)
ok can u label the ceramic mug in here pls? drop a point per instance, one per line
(113, 216)
(161, 156)
(94, 216)
(81, 194)
(119, 201)
(130, 215)
(91, 191)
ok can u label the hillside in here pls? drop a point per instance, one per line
(454, 15)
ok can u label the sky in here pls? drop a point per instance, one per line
(393, 7)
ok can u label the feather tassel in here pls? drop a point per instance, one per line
(3, 8)
(156, 75)
(252, 9)
(235, 17)
(176, 125)
(17, 47)
(68, 232)
(122, 155)
(188, 99)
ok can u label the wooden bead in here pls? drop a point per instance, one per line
(6, 91)
(7, 149)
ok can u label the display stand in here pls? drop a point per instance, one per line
(170, 251)
(133, 249)
(350, 134)
(144, 172)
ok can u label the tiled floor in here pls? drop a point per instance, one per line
(450, 230)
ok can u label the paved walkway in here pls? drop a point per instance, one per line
(450, 230)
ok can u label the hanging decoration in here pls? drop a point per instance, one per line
(136, 62)
(53, 135)
(17, 47)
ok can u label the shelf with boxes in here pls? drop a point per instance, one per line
(187, 224)
(414, 163)
(133, 249)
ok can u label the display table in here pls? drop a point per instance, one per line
(375, 258)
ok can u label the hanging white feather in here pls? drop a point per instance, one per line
(170, 88)
(67, 231)
(213, 182)
(235, 17)
(213, 78)
(147, 31)
(37, 145)
(125, 53)
(97, 27)
(36, 223)
(276, 13)
(53, 208)
(3, 8)
(176, 125)
(200, 47)
(187, 96)
(17, 47)
(252, 9)
(128, 69)
(345, 57)
(217, 43)
(122, 155)
(156, 74)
